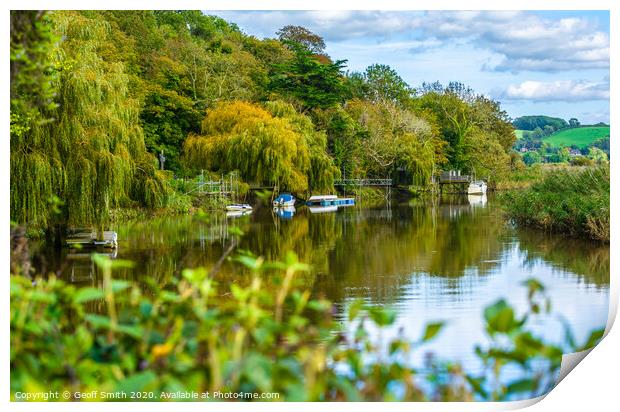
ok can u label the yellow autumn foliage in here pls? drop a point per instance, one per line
(267, 149)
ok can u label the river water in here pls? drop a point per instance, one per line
(442, 260)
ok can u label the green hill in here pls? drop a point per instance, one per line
(579, 136)
(519, 133)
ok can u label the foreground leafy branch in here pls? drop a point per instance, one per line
(266, 336)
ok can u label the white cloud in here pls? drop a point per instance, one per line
(521, 40)
(527, 41)
(560, 90)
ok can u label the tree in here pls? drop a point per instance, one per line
(573, 122)
(344, 140)
(562, 156)
(380, 82)
(298, 34)
(597, 155)
(532, 122)
(92, 156)
(32, 69)
(395, 139)
(278, 148)
(308, 82)
(603, 144)
(548, 130)
(453, 116)
(537, 133)
(530, 158)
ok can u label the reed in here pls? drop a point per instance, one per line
(573, 201)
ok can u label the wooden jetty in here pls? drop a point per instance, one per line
(454, 177)
(89, 240)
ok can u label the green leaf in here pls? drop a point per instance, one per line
(523, 385)
(354, 308)
(41, 296)
(250, 262)
(593, 339)
(137, 383)
(98, 321)
(382, 316)
(87, 294)
(119, 285)
(131, 330)
(500, 317)
(432, 329)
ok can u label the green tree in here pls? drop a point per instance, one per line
(92, 156)
(380, 82)
(573, 122)
(395, 139)
(532, 122)
(530, 158)
(298, 34)
(32, 70)
(562, 156)
(453, 115)
(308, 82)
(548, 130)
(537, 133)
(597, 155)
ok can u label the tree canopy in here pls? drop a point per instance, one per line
(533, 122)
(91, 154)
(271, 145)
(298, 34)
(96, 94)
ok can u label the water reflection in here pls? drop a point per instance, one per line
(444, 259)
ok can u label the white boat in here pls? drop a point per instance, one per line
(318, 198)
(284, 200)
(238, 207)
(477, 187)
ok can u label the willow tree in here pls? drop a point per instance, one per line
(395, 138)
(91, 153)
(322, 171)
(265, 149)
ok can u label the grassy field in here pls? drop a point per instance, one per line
(580, 136)
(519, 133)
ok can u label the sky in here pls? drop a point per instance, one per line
(554, 63)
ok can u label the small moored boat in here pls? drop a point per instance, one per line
(239, 207)
(330, 200)
(284, 200)
(477, 187)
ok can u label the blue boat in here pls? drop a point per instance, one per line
(330, 200)
(284, 200)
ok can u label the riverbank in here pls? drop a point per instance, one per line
(574, 201)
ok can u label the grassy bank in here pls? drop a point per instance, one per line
(569, 200)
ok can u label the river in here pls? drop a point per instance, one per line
(442, 260)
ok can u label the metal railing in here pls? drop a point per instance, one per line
(363, 182)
